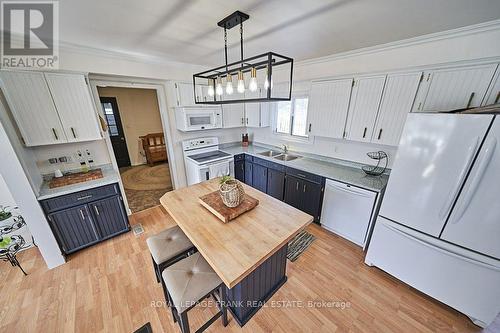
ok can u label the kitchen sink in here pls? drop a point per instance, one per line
(270, 153)
(286, 157)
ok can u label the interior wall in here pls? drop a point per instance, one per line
(140, 115)
(449, 48)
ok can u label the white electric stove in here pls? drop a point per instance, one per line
(203, 160)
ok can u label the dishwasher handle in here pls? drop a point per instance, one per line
(350, 189)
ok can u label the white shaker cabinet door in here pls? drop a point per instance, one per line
(397, 100)
(454, 88)
(363, 108)
(31, 104)
(328, 107)
(74, 105)
(186, 94)
(475, 220)
(493, 96)
(252, 110)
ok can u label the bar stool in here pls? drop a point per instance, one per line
(187, 283)
(167, 247)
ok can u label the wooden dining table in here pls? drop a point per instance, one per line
(247, 253)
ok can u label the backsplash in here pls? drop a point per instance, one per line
(69, 151)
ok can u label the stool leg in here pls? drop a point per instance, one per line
(223, 304)
(183, 322)
(155, 267)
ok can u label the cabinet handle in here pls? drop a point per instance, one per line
(379, 134)
(364, 133)
(301, 175)
(85, 197)
(310, 127)
(470, 100)
(73, 131)
(96, 210)
(242, 120)
(297, 187)
(55, 133)
(247, 121)
(81, 213)
(304, 187)
(497, 98)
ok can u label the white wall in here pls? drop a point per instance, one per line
(461, 45)
(18, 184)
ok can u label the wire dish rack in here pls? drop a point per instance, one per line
(379, 169)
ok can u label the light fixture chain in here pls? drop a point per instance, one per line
(241, 41)
(225, 45)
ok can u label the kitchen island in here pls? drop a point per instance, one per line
(249, 252)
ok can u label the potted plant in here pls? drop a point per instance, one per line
(231, 191)
(5, 213)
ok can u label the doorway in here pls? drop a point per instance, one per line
(139, 143)
(115, 130)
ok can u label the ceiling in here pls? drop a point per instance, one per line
(187, 31)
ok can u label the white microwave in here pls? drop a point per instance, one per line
(198, 118)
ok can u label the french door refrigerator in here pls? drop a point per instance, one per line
(438, 228)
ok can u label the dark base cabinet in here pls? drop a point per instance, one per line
(84, 218)
(299, 189)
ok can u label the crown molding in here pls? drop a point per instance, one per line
(453, 33)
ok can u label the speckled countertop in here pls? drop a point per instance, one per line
(110, 176)
(343, 171)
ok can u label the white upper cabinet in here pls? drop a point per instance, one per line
(493, 96)
(74, 105)
(185, 94)
(399, 93)
(363, 108)
(454, 88)
(256, 114)
(328, 107)
(233, 115)
(32, 107)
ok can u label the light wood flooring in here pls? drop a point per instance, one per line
(111, 288)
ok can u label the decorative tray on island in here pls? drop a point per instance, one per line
(213, 202)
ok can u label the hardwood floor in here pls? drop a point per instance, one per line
(111, 288)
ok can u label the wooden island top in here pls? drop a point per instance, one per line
(236, 248)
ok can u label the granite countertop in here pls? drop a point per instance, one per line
(344, 171)
(110, 176)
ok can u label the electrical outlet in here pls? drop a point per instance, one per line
(63, 159)
(53, 160)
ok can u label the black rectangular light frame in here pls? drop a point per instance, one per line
(245, 66)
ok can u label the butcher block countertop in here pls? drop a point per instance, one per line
(236, 248)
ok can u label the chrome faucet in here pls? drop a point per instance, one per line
(285, 148)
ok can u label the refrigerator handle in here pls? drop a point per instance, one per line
(445, 210)
(489, 152)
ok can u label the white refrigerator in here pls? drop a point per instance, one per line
(438, 228)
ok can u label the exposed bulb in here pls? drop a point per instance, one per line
(241, 83)
(266, 84)
(252, 85)
(229, 88)
(211, 90)
(229, 85)
(218, 88)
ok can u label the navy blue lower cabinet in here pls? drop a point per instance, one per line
(239, 170)
(259, 177)
(292, 191)
(73, 228)
(275, 183)
(109, 216)
(248, 296)
(84, 218)
(249, 173)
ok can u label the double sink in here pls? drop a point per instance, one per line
(279, 155)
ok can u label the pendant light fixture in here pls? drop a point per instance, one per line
(261, 66)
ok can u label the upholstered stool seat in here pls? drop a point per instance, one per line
(168, 247)
(189, 281)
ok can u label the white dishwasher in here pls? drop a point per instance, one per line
(347, 210)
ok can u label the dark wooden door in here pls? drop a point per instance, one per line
(115, 130)
(239, 170)
(74, 228)
(249, 173)
(275, 183)
(292, 192)
(109, 216)
(311, 198)
(259, 177)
